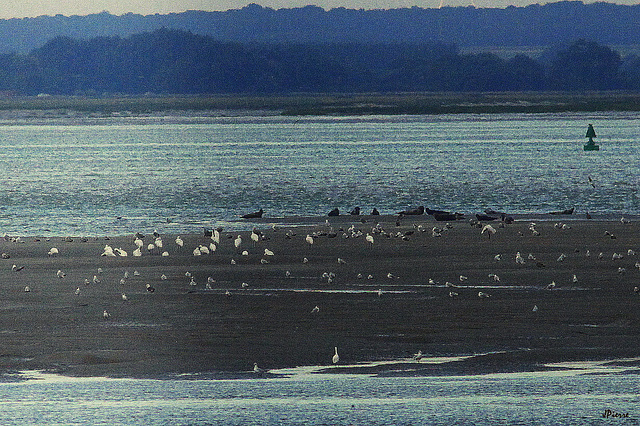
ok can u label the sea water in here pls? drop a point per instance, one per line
(568, 397)
(117, 175)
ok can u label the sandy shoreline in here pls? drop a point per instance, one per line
(182, 328)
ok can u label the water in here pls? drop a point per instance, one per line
(70, 176)
(571, 397)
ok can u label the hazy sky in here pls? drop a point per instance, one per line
(21, 8)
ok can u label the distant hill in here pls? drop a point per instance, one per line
(467, 27)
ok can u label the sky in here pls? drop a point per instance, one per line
(21, 8)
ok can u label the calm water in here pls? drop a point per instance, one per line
(118, 175)
(328, 399)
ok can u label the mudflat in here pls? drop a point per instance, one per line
(445, 289)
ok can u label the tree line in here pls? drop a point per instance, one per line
(180, 62)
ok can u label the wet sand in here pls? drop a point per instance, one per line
(183, 328)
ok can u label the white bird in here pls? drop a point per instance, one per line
(254, 236)
(238, 241)
(165, 254)
(244, 285)
(60, 274)
(336, 357)
(562, 257)
(309, 239)
(379, 292)
(138, 242)
(124, 297)
(204, 249)
(197, 252)
(519, 259)
(150, 247)
(489, 230)
(187, 274)
(575, 279)
(264, 261)
(27, 289)
(535, 308)
(257, 369)
(463, 278)
(497, 257)
(105, 314)
(268, 252)
(179, 241)
(96, 280)
(212, 247)
(163, 277)
(233, 262)
(305, 260)
(215, 236)
(77, 292)
(341, 261)
(136, 273)
(158, 242)
(453, 294)
(53, 251)
(315, 309)
(391, 276)
(369, 238)
(551, 286)
(418, 356)
(17, 268)
(100, 270)
(483, 295)
(137, 252)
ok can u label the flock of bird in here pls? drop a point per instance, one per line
(370, 235)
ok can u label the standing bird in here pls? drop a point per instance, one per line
(179, 241)
(336, 357)
(106, 315)
(238, 241)
(309, 239)
(52, 251)
(489, 230)
(369, 238)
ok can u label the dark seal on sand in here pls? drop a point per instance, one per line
(567, 211)
(253, 215)
(334, 212)
(375, 212)
(413, 212)
(355, 211)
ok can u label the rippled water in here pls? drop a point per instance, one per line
(544, 398)
(121, 175)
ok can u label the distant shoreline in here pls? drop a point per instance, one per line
(320, 104)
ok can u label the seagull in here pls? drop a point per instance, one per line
(150, 288)
(52, 251)
(268, 252)
(575, 279)
(17, 268)
(483, 295)
(77, 292)
(179, 241)
(27, 289)
(60, 274)
(315, 309)
(238, 241)
(369, 238)
(124, 297)
(96, 280)
(341, 261)
(105, 314)
(551, 286)
(463, 278)
(535, 308)
(163, 277)
(257, 369)
(305, 260)
(336, 357)
(453, 294)
(197, 252)
(309, 239)
(418, 356)
(519, 259)
(562, 257)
